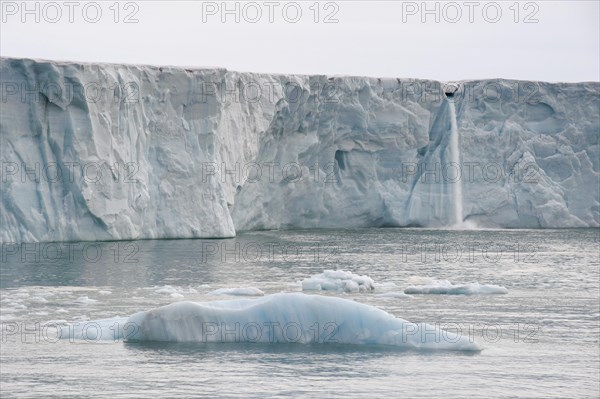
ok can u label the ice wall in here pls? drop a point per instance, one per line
(103, 151)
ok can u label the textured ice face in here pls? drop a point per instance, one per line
(117, 150)
(338, 280)
(289, 318)
(128, 152)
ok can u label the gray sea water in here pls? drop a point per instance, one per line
(541, 340)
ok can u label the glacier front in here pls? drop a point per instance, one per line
(114, 152)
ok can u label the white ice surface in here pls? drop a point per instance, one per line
(286, 318)
(86, 300)
(110, 329)
(365, 138)
(445, 287)
(338, 280)
(241, 291)
(278, 318)
(393, 295)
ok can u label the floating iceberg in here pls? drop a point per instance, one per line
(445, 287)
(242, 291)
(288, 318)
(338, 280)
(277, 318)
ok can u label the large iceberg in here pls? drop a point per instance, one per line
(278, 318)
(105, 152)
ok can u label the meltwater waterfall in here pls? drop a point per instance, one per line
(457, 197)
(206, 166)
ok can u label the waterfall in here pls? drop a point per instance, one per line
(455, 158)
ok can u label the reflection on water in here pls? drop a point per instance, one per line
(281, 352)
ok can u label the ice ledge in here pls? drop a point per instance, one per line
(105, 151)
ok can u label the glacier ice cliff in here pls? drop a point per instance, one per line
(103, 152)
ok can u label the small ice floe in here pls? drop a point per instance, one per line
(167, 290)
(338, 280)
(86, 300)
(394, 295)
(241, 291)
(445, 287)
(174, 292)
(105, 292)
(387, 284)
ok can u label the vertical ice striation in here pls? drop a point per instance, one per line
(455, 160)
(118, 152)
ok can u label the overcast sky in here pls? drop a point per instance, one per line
(535, 40)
